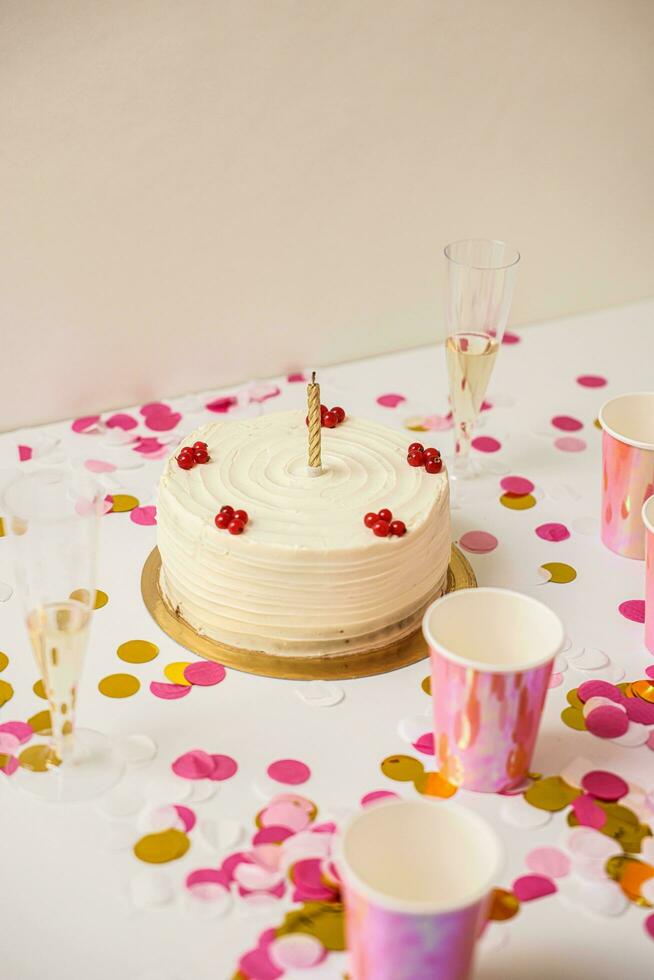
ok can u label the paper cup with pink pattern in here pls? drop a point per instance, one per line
(627, 470)
(417, 877)
(492, 652)
(648, 521)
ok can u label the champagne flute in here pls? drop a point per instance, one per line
(480, 280)
(54, 519)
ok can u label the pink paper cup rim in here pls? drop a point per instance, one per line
(610, 424)
(450, 817)
(648, 514)
(469, 597)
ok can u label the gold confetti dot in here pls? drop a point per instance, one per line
(38, 758)
(324, 920)
(633, 876)
(402, 768)
(573, 698)
(2, 528)
(551, 794)
(119, 685)
(597, 424)
(137, 651)
(39, 689)
(41, 723)
(426, 685)
(6, 692)
(4, 661)
(574, 718)
(503, 905)
(82, 595)
(643, 689)
(123, 502)
(517, 503)
(175, 673)
(415, 424)
(168, 845)
(434, 784)
(560, 573)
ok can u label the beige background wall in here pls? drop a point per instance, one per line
(195, 192)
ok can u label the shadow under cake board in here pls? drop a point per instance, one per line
(342, 666)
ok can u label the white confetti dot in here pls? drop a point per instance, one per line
(591, 658)
(518, 813)
(151, 888)
(135, 750)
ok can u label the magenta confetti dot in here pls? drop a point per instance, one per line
(289, 771)
(599, 689)
(257, 965)
(425, 744)
(10, 766)
(195, 764)
(486, 444)
(604, 785)
(145, 516)
(566, 423)
(85, 423)
(529, 887)
(570, 444)
(24, 453)
(222, 405)
(121, 421)
(187, 816)
(649, 926)
(20, 729)
(650, 671)
(642, 712)
(169, 692)
(519, 486)
(204, 673)
(296, 376)
(154, 408)
(98, 466)
(272, 835)
(591, 381)
(163, 421)
(148, 445)
(650, 742)
(607, 722)
(588, 813)
(207, 876)
(510, 338)
(633, 609)
(552, 532)
(391, 401)
(478, 542)
(376, 795)
(548, 861)
(224, 767)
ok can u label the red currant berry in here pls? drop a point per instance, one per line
(329, 420)
(381, 528)
(222, 520)
(241, 515)
(398, 528)
(339, 413)
(235, 527)
(370, 519)
(385, 515)
(227, 510)
(201, 456)
(323, 409)
(186, 451)
(432, 453)
(186, 462)
(415, 459)
(434, 465)
(415, 447)
(199, 445)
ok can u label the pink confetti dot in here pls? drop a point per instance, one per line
(224, 767)
(604, 785)
(486, 444)
(121, 421)
(649, 926)
(296, 951)
(555, 680)
(99, 466)
(260, 393)
(599, 689)
(163, 421)
(187, 816)
(296, 376)
(566, 423)
(284, 814)
(552, 532)
(548, 861)
(376, 795)
(650, 671)
(425, 744)
(289, 771)
(510, 338)
(86, 423)
(10, 766)
(148, 445)
(529, 887)
(519, 486)
(607, 722)
(20, 729)
(650, 741)
(205, 883)
(390, 401)
(8, 743)
(591, 381)
(204, 673)
(256, 965)
(588, 813)
(195, 764)
(145, 516)
(154, 408)
(570, 444)
(478, 542)
(633, 609)
(169, 692)
(272, 835)
(222, 405)
(24, 453)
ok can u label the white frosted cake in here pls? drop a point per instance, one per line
(306, 576)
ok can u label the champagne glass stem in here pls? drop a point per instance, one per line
(63, 740)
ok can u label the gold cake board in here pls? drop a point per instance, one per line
(340, 666)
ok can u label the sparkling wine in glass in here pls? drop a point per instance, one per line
(479, 290)
(54, 515)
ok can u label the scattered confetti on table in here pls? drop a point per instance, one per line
(119, 685)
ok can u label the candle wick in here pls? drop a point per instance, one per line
(313, 377)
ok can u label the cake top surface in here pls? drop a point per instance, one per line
(260, 465)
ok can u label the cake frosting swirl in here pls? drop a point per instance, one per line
(306, 576)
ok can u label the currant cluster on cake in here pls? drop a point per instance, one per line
(330, 417)
(430, 458)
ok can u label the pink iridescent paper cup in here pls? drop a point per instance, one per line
(627, 470)
(417, 879)
(648, 521)
(492, 652)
